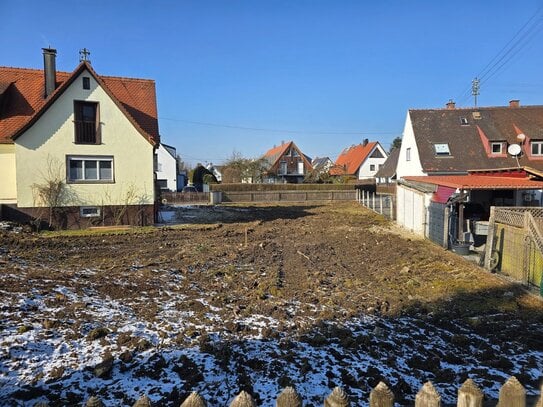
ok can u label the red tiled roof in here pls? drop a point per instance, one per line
(350, 160)
(273, 154)
(22, 101)
(477, 182)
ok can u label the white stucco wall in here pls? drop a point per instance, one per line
(364, 170)
(167, 168)
(8, 184)
(412, 167)
(45, 146)
(412, 209)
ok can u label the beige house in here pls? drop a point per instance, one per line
(81, 143)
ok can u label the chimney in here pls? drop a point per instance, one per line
(49, 70)
(451, 105)
(514, 103)
(365, 142)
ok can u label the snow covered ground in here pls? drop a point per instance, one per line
(50, 352)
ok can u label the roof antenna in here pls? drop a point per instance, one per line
(475, 89)
(84, 55)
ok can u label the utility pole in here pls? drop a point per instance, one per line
(475, 89)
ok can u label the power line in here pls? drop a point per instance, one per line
(516, 44)
(228, 126)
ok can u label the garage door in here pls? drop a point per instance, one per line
(411, 210)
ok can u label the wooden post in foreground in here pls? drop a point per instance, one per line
(428, 396)
(469, 395)
(512, 394)
(381, 396)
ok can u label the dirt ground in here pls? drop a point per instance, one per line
(301, 265)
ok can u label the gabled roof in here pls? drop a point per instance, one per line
(388, 169)
(350, 159)
(466, 141)
(273, 155)
(477, 182)
(22, 102)
(319, 162)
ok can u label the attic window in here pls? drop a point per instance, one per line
(86, 82)
(496, 148)
(464, 121)
(442, 149)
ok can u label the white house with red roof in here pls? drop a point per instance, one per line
(361, 161)
(91, 137)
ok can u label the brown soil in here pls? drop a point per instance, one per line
(340, 255)
(300, 265)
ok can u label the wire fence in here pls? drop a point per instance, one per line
(515, 244)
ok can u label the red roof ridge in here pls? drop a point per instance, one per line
(124, 78)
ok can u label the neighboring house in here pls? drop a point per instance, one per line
(166, 171)
(287, 164)
(453, 141)
(216, 170)
(441, 206)
(94, 136)
(321, 164)
(387, 173)
(361, 161)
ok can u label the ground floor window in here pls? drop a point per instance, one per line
(90, 169)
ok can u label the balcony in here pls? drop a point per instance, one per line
(86, 132)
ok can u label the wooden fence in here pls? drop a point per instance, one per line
(512, 394)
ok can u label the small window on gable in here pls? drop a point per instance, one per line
(408, 154)
(464, 121)
(372, 167)
(442, 149)
(86, 82)
(377, 154)
(295, 153)
(496, 148)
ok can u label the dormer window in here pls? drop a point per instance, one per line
(537, 148)
(442, 149)
(464, 121)
(496, 148)
(87, 125)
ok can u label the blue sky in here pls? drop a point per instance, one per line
(245, 75)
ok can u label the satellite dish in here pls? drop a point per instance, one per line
(514, 149)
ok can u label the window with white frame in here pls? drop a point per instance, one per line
(90, 169)
(496, 148)
(442, 149)
(408, 154)
(537, 147)
(372, 167)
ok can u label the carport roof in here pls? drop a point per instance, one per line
(477, 182)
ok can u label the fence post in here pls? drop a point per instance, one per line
(381, 396)
(373, 201)
(428, 396)
(143, 401)
(490, 237)
(194, 400)
(338, 398)
(289, 398)
(381, 204)
(512, 394)
(445, 242)
(243, 399)
(469, 395)
(92, 402)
